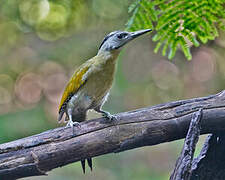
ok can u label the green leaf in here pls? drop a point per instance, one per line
(178, 21)
(133, 6)
(185, 48)
(173, 49)
(165, 48)
(157, 47)
(156, 37)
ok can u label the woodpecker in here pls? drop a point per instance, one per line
(89, 86)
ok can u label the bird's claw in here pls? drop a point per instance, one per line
(73, 124)
(109, 116)
(76, 124)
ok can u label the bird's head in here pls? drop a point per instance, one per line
(117, 39)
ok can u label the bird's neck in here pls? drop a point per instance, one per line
(108, 56)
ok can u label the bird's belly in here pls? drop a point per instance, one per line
(80, 102)
(89, 97)
(99, 88)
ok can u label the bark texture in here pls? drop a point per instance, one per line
(210, 164)
(183, 165)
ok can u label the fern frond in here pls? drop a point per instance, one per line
(143, 15)
(178, 23)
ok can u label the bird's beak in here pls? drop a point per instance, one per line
(139, 33)
(133, 35)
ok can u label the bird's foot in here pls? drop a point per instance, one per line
(73, 124)
(109, 116)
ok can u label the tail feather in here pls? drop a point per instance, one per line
(83, 165)
(89, 161)
(60, 116)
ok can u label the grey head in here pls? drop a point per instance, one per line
(117, 39)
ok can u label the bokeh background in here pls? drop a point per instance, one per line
(41, 44)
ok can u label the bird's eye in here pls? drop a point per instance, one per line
(122, 35)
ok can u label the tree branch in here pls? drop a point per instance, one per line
(210, 164)
(38, 154)
(182, 170)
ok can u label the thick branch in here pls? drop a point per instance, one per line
(35, 155)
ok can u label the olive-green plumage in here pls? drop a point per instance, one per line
(90, 84)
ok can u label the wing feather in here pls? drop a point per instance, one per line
(75, 82)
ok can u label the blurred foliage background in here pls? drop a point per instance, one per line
(41, 44)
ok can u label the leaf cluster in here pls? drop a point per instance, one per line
(178, 23)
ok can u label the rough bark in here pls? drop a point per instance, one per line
(182, 170)
(38, 154)
(210, 164)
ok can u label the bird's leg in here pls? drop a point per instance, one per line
(105, 113)
(70, 122)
